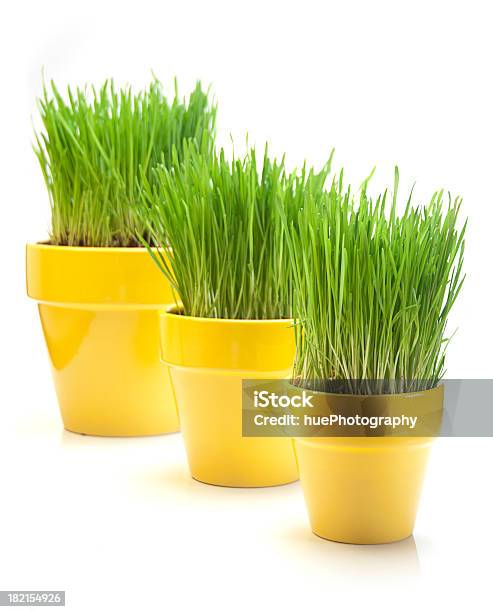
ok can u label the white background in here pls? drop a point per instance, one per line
(118, 523)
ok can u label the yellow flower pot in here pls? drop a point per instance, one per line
(208, 360)
(365, 490)
(99, 308)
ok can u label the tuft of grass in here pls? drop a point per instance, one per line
(97, 143)
(222, 223)
(374, 289)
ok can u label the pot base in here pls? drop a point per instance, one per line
(362, 543)
(244, 486)
(95, 435)
(107, 372)
(209, 404)
(362, 490)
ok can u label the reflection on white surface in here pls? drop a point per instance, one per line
(89, 515)
(399, 560)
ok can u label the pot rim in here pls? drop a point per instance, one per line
(219, 321)
(242, 345)
(45, 245)
(96, 277)
(407, 394)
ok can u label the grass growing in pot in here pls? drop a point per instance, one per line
(222, 222)
(373, 290)
(97, 143)
(228, 265)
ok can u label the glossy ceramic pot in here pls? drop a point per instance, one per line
(366, 490)
(208, 360)
(99, 309)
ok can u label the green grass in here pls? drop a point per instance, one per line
(96, 143)
(374, 289)
(222, 221)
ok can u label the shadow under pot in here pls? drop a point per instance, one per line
(364, 487)
(208, 360)
(99, 309)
